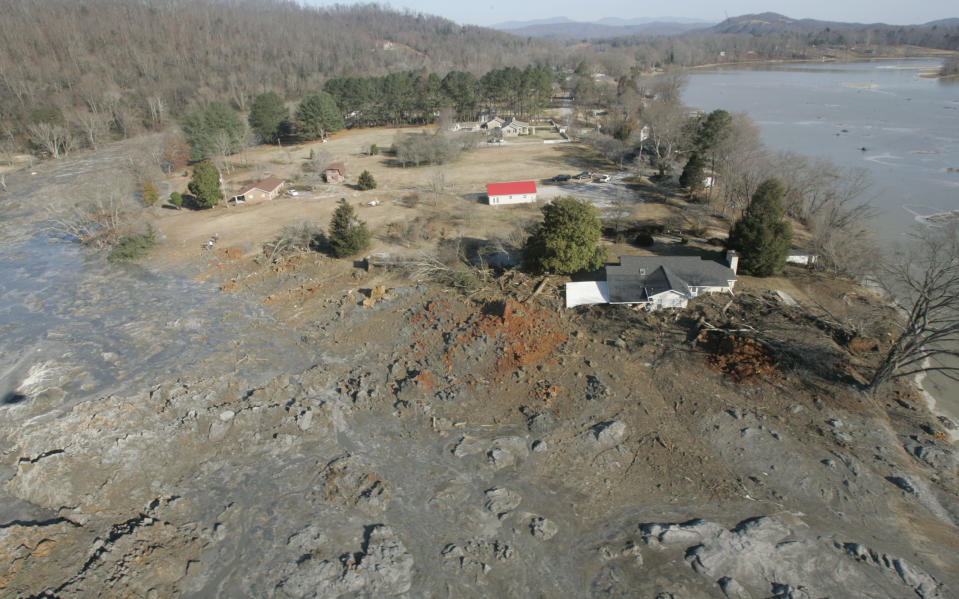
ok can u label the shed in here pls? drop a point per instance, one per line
(335, 173)
(801, 257)
(517, 192)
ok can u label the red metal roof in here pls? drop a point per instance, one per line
(505, 189)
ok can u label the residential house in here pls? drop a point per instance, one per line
(267, 189)
(494, 123)
(518, 192)
(335, 173)
(655, 281)
(515, 127)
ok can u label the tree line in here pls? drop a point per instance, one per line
(415, 97)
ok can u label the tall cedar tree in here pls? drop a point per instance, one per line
(205, 185)
(763, 236)
(268, 115)
(567, 240)
(348, 235)
(366, 181)
(693, 173)
(318, 115)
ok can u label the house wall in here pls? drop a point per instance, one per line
(669, 299)
(334, 177)
(515, 198)
(255, 195)
(697, 290)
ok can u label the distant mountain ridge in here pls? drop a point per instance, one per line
(771, 22)
(565, 28)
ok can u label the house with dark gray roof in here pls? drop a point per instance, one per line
(655, 281)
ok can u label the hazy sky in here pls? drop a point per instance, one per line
(488, 12)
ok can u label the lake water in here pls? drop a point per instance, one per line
(908, 125)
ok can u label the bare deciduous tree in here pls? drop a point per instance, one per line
(50, 137)
(93, 125)
(437, 183)
(923, 283)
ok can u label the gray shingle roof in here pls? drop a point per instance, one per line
(638, 278)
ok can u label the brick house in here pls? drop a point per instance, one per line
(267, 189)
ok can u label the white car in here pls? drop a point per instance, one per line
(293, 193)
(603, 179)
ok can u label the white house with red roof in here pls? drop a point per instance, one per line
(518, 192)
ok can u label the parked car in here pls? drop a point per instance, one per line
(293, 193)
(559, 178)
(584, 175)
(602, 179)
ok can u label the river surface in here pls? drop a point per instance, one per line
(880, 116)
(908, 125)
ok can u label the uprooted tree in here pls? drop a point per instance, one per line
(567, 240)
(923, 284)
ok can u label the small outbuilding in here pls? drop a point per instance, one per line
(517, 192)
(801, 257)
(335, 173)
(267, 189)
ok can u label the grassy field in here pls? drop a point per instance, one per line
(408, 215)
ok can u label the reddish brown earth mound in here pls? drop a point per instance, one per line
(742, 359)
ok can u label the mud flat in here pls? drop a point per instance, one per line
(443, 446)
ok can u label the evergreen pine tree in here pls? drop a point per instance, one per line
(267, 115)
(692, 177)
(348, 235)
(567, 241)
(763, 236)
(318, 115)
(366, 181)
(205, 185)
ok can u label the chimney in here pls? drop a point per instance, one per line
(732, 260)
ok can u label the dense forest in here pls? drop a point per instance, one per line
(77, 73)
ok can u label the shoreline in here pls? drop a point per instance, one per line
(777, 61)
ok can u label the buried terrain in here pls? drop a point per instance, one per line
(494, 445)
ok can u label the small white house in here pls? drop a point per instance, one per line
(518, 192)
(655, 281)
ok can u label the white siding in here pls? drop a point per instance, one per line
(515, 198)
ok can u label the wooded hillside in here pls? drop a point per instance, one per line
(136, 65)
